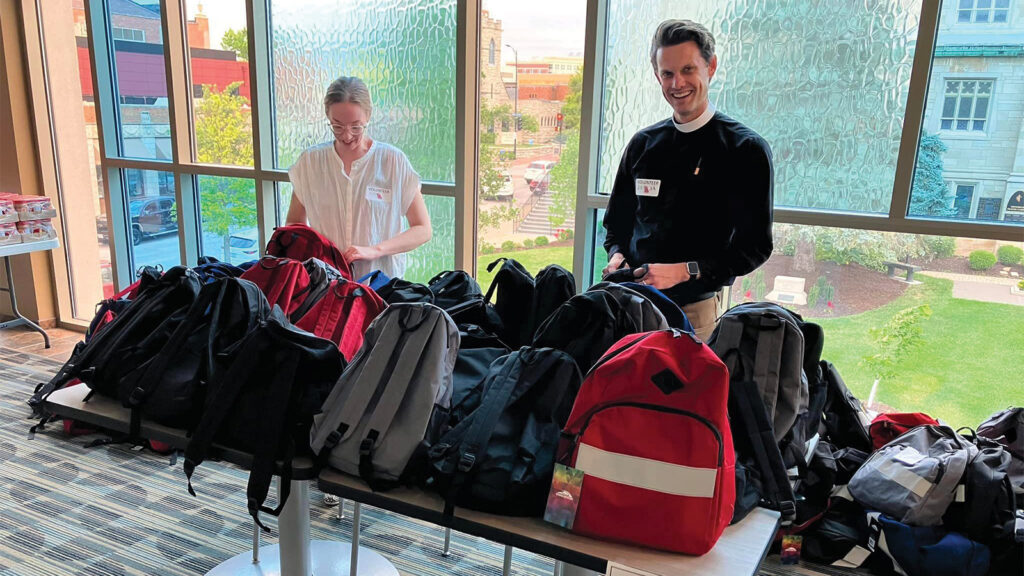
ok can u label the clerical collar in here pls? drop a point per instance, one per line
(698, 122)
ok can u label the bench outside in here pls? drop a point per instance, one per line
(910, 269)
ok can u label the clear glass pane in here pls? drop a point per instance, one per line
(153, 214)
(847, 289)
(965, 16)
(967, 4)
(403, 50)
(529, 146)
(227, 212)
(949, 107)
(999, 16)
(218, 48)
(1002, 4)
(141, 89)
(988, 161)
(438, 254)
(981, 16)
(814, 104)
(86, 239)
(984, 4)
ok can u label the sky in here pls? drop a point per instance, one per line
(536, 28)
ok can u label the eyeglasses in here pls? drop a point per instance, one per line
(355, 129)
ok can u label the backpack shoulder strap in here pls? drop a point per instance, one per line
(747, 409)
(771, 338)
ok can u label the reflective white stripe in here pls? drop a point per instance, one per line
(905, 477)
(656, 475)
(854, 558)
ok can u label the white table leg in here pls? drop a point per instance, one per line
(356, 517)
(447, 543)
(506, 567)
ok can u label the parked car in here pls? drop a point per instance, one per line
(540, 185)
(507, 193)
(152, 216)
(538, 169)
(244, 247)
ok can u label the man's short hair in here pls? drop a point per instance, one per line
(673, 32)
(348, 89)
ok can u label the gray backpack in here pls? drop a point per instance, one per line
(392, 400)
(1007, 428)
(914, 478)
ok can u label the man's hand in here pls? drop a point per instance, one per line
(356, 253)
(614, 263)
(663, 276)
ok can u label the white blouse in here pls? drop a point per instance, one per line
(363, 208)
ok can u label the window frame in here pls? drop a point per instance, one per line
(956, 119)
(974, 10)
(469, 56)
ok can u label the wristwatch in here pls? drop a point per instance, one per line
(693, 269)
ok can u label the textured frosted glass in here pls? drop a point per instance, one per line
(284, 201)
(825, 83)
(405, 52)
(227, 219)
(438, 254)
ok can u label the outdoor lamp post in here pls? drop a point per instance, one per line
(515, 111)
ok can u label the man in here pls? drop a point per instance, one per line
(692, 198)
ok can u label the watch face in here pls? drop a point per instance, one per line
(692, 268)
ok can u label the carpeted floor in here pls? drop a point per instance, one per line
(112, 510)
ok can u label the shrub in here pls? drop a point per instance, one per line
(488, 248)
(541, 241)
(939, 246)
(821, 292)
(982, 260)
(1020, 285)
(1009, 255)
(508, 246)
(564, 234)
(528, 243)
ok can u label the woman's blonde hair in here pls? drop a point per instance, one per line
(348, 89)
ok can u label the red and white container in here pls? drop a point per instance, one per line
(9, 234)
(33, 207)
(36, 230)
(7, 211)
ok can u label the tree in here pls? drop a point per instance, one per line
(492, 173)
(224, 136)
(236, 41)
(930, 196)
(564, 173)
(900, 334)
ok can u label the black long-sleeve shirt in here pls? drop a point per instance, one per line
(714, 203)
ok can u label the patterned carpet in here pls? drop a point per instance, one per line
(111, 510)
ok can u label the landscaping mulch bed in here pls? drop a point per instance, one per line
(857, 289)
(959, 265)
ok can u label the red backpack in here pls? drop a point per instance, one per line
(343, 315)
(650, 431)
(887, 427)
(284, 281)
(300, 242)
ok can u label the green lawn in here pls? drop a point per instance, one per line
(533, 260)
(970, 364)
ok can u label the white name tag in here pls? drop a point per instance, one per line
(375, 194)
(646, 187)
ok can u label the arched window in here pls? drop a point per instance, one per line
(490, 53)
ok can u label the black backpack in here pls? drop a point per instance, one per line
(170, 388)
(844, 421)
(985, 513)
(133, 337)
(261, 400)
(511, 293)
(453, 287)
(500, 458)
(210, 269)
(553, 287)
(585, 327)
(398, 291)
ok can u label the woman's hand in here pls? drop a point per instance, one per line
(355, 253)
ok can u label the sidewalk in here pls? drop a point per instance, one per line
(981, 288)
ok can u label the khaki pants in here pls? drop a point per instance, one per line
(703, 315)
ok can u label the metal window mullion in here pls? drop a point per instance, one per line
(179, 107)
(261, 103)
(914, 116)
(108, 130)
(595, 41)
(467, 120)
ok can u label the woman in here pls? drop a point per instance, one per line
(355, 190)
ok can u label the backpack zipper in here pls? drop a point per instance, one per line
(657, 408)
(607, 357)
